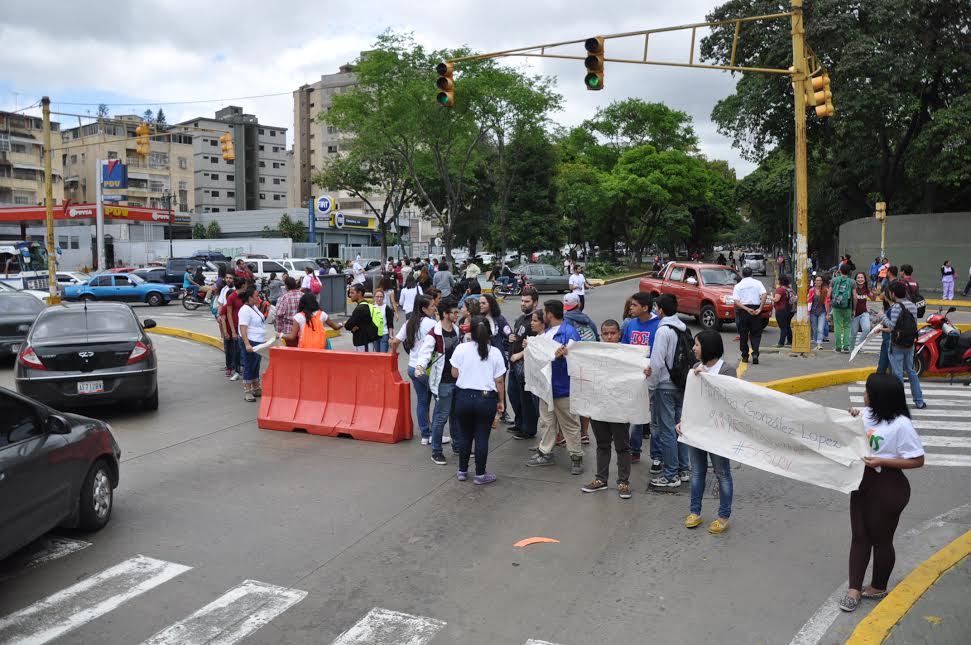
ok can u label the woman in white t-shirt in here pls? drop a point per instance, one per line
(252, 331)
(579, 285)
(411, 291)
(479, 369)
(410, 336)
(884, 492)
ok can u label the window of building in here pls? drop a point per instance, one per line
(331, 150)
(213, 143)
(205, 174)
(276, 180)
(4, 142)
(214, 193)
(276, 197)
(262, 180)
(82, 157)
(231, 194)
(183, 163)
(157, 186)
(112, 154)
(74, 159)
(262, 195)
(261, 148)
(230, 210)
(331, 129)
(63, 241)
(206, 209)
(63, 160)
(18, 147)
(215, 210)
(276, 148)
(75, 242)
(214, 176)
(230, 177)
(183, 185)
(272, 133)
(276, 165)
(261, 130)
(24, 198)
(262, 164)
(229, 162)
(158, 160)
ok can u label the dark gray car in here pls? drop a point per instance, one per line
(93, 353)
(545, 277)
(55, 470)
(17, 313)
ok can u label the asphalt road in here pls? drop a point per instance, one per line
(327, 530)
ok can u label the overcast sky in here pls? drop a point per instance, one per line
(142, 53)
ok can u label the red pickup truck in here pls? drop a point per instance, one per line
(703, 291)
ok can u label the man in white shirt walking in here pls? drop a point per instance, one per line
(579, 285)
(358, 271)
(749, 295)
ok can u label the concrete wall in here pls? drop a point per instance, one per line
(923, 240)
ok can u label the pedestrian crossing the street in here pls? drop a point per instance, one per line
(238, 613)
(944, 426)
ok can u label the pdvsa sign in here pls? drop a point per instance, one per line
(114, 174)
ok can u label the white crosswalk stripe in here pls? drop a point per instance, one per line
(232, 617)
(386, 627)
(944, 426)
(85, 601)
(47, 549)
(872, 345)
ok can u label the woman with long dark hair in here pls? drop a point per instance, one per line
(308, 328)
(410, 336)
(499, 329)
(409, 293)
(876, 506)
(479, 370)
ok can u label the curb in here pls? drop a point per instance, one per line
(809, 382)
(876, 627)
(962, 327)
(947, 303)
(626, 277)
(206, 339)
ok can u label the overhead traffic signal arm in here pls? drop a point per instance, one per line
(445, 84)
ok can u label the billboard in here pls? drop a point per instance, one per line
(114, 174)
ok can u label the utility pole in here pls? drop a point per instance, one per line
(53, 297)
(168, 204)
(800, 326)
(99, 215)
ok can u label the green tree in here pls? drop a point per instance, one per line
(633, 122)
(102, 110)
(533, 223)
(148, 116)
(160, 122)
(213, 231)
(287, 227)
(198, 231)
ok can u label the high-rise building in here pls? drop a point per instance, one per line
(22, 161)
(255, 179)
(166, 172)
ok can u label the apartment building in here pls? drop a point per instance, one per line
(256, 179)
(22, 161)
(152, 179)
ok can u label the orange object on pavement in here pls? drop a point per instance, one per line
(331, 393)
(535, 540)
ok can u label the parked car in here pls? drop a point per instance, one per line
(754, 261)
(175, 269)
(703, 291)
(59, 470)
(263, 267)
(121, 287)
(40, 295)
(545, 277)
(209, 256)
(88, 354)
(153, 274)
(65, 278)
(17, 313)
(121, 270)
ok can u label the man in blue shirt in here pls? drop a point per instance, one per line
(640, 330)
(559, 418)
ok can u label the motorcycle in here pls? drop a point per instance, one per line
(942, 349)
(190, 302)
(513, 288)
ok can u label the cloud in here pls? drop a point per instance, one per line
(153, 51)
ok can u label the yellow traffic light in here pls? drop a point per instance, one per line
(821, 96)
(143, 145)
(594, 80)
(445, 84)
(229, 152)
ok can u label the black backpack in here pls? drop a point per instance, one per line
(904, 333)
(684, 357)
(913, 292)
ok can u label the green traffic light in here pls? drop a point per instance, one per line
(593, 81)
(444, 99)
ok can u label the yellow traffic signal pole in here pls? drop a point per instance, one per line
(800, 325)
(53, 297)
(803, 67)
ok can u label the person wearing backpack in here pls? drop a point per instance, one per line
(841, 301)
(784, 303)
(361, 325)
(913, 289)
(901, 323)
(306, 284)
(671, 358)
(308, 324)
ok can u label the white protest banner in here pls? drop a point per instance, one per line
(856, 350)
(607, 382)
(774, 432)
(539, 367)
(263, 349)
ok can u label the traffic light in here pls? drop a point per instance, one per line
(445, 84)
(880, 211)
(229, 152)
(818, 94)
(143, 145)
(594, 80)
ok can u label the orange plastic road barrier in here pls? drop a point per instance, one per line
(331, 393)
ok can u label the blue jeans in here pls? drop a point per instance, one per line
(666, 406)
(723, 471)
(523, 403)
(382, 344)
(444, 411)
(192, 289)
(883, 364)
(859, 329)
(637, 439)
(424, 395)
(902, 362)
(817, 327)
(475, 411)
(231, 349)
(251, 366)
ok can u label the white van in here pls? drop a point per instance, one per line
(294, 267)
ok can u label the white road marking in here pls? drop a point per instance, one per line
(54, 547)
(933, 404)
(85, 601)
(533, 641)
(946, 442)
(963, 392)
(232, 617)
(386, 627)
(942, 459)
(819, 623)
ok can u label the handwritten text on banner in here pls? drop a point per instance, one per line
(607, 382)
